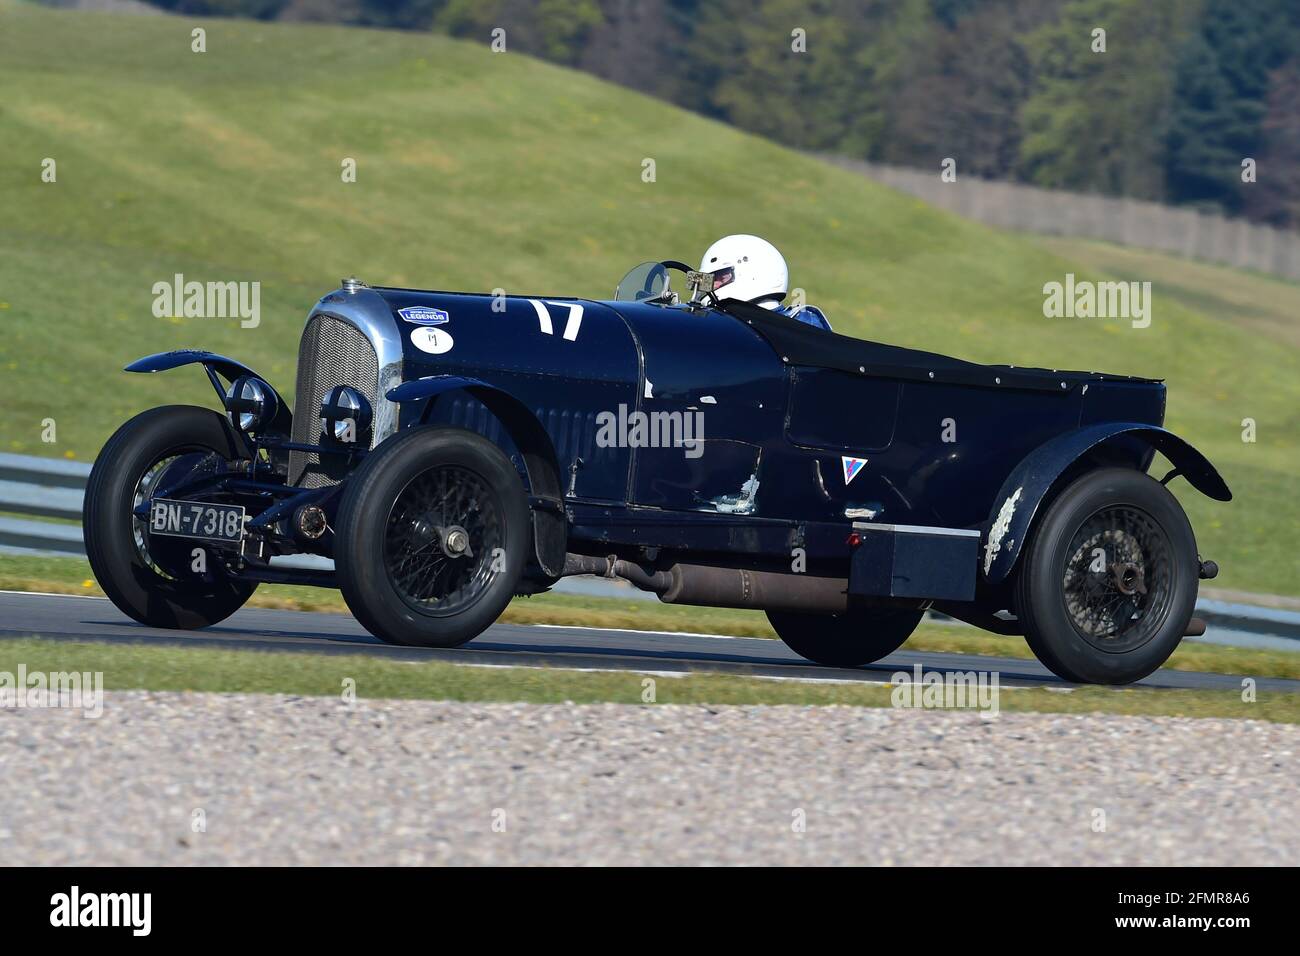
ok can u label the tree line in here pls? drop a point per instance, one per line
(1190, 102)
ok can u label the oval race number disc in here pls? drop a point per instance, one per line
(431, 340)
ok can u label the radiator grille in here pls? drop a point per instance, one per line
(332, 353)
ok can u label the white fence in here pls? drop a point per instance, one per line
(46, 488)
(1129, 222)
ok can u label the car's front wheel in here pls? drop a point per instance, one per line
(160, 581)
(1108, 580)
(856, 637)
(431, 538)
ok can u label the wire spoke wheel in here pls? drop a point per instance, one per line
(442, 540)
(432, 536)
(1107, 581)
(1118, 578)
(187, 463)
(152, 577)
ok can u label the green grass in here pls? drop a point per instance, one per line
(479, 170)
(72, 576)
(138, 667)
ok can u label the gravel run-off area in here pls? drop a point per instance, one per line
(170, 778)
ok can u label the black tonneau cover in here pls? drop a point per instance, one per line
(801, 344)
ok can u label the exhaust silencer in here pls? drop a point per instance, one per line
(761, 590)
(706, 586)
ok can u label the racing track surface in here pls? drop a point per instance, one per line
(80, 618)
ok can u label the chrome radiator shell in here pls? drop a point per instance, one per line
(350, 339)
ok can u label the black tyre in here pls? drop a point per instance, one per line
(1108, 579)
(856, 637)
(152, 579)
(431, 537)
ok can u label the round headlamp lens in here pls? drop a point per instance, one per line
(344, 414)
(250, 403)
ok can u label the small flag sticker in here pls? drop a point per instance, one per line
(851, 467)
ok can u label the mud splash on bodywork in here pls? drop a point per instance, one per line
(738, 504)
(1000, 527)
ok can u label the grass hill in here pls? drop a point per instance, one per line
(478, 170)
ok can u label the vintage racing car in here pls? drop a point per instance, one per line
(449, 451)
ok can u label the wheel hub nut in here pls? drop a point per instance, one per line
(1129, 578)
(456, 541)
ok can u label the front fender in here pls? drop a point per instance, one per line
(1030, 483)
(213, 363)
(530, 438)
(550, 527)
(418, 388)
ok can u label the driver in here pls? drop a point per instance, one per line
(751, 269)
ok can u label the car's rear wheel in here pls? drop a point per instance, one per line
(1108, 580)
(856, 637)
(431, 538)
(158, 580)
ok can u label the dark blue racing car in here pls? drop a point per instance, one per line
(449, 451)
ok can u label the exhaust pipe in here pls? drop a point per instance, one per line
(705, 586)
(612, 567)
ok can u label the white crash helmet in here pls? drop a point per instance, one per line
(747, 268)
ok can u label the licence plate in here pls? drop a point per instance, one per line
(196, 519)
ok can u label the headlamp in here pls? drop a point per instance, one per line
(344, 414)
(251, 404)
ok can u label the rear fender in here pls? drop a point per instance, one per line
(1043, 469)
